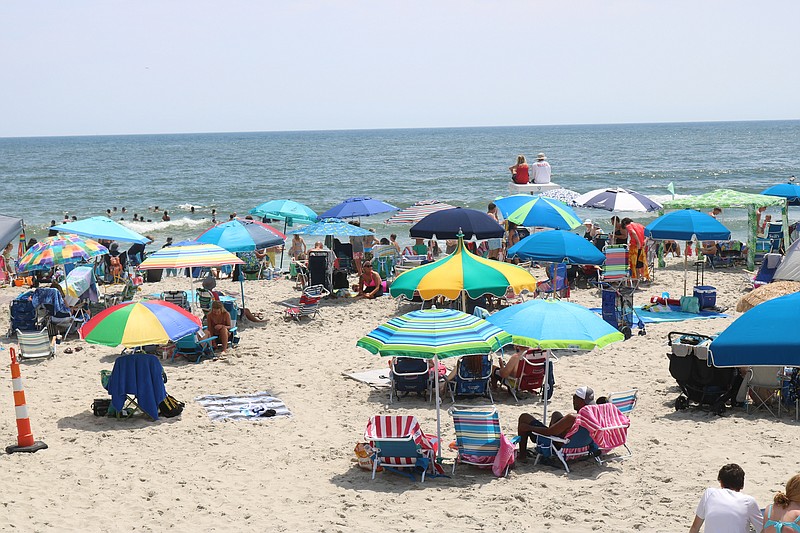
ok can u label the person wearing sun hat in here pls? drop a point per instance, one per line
(591, 230)
(541, 170)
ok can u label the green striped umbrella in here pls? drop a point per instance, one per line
(545, 213)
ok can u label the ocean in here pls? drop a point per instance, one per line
(44, 177)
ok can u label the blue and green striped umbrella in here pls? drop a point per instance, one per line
(525, 210)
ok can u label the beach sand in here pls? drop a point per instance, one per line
(296, 474)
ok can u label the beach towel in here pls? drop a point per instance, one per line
(596, 418)
(242, 407)
(139, 375)
(505, 456)
(674, 314)
(378, 377)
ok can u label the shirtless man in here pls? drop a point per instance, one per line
(559, 424)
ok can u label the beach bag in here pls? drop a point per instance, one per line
(340, 280)
(690, 304)
(170, 407)
(100, 406)
(363, 456)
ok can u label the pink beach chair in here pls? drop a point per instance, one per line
(399, 442)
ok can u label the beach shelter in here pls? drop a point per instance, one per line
(789, 269)
(537, 211)
(187, 254)
(287, 210)
(765, 293)
(617, 199)
(685, 225)
(59, 250)
(435, 334)
(727, 198)
(557, 246)
(418, 211)
(462, 273)
(101, 228)
(567, 196)
(80, 284)
(766, 335)
(10, 228)
(133, 324)
(358, 207)
(452, 223)
(554, 324)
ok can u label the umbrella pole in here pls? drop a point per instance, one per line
(546, 385)
(685, 273)
(438, 412)
(463, 301)
(241, 285)
(283, 248)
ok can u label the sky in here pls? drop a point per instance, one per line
(92, 67)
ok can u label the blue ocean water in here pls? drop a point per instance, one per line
(41, 178)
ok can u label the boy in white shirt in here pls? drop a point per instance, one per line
(727, 510)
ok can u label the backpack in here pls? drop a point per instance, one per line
(170, 407)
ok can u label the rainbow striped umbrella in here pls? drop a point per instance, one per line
(462, 271)
(418, 211)
(60, 250)
(134, 324)
(187, 254)
(524, 210)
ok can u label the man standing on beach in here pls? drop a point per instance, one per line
(726, 509)
(541, 170)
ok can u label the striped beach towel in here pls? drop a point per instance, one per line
(607, 426)
(242, 407)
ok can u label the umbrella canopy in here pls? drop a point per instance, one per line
(10, 227)
(418, 211)
(332, 226)
(462, 271)
(134, 324)
(557, 246)
(449, 223)
(526, 210)
(60, 250)
(190, 254)
(80, 284)
(358, 207)
(617, 199)
(242, 235)
(790, 191)
(763, 336)
(561, 194)
(766, 292)
(685, 225)
(723, 198)
(101, 228)
(287, 210)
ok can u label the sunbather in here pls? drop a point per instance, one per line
(219, 321)
(784, 513)
(559, 424)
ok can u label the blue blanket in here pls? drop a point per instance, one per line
(139, 375)
(673, 315)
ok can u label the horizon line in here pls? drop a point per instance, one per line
(227, 132)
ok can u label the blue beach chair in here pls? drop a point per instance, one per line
(478, 436)
(189, 347)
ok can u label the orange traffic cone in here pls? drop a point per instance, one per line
(25, 442)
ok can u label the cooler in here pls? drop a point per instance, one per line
(706, 295)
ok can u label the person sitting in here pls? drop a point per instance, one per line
(726, 509)
(672, 247)
(506, 369)
(370, 284)
(559, 424)
(474, 365)
(519, 171)
(419, 248)
(219, 322)
(784, 512)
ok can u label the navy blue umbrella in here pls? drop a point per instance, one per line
(447, 224)
(765, 335)
(686, 224)
(357, 207)
(557, 246)
(617, 200)
(790, 191)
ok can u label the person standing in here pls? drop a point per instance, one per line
(726, 509)
(637, 251)
(495, 245)
(519, 171)
(541, 170)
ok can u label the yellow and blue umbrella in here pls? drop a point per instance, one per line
(462, 271)
(133, 324)
(538, 211)
(187, 254)
(60, 250)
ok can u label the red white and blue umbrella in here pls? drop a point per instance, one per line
(616, 199)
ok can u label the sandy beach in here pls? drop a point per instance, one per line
(296, 473)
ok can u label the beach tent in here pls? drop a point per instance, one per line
(789, 269)
(727, 198)
(101, 228)
(10, 228)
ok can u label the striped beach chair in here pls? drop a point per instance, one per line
(625, 401)
(36, 344)
(398, 442)
(479, 438)
(616, 269)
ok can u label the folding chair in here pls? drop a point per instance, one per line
(309, 303)
(204, 300)
(472, 383)
(624, 401)
(479, 437)
(190, 346)
(136, 382)
(398, 442)
(36, 344)
(529, 375)
(557, 284)
(177, 298)
(766, 271)
(616, 269)
(409, 374)
(764, 385)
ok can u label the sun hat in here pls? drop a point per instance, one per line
(587, 221)
(541, 156)
(586, 394)
(209, 283)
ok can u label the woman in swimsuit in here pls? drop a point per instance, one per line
(784, 513)
(298, 247)
(370, 282)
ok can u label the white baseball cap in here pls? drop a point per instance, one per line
(586, 394)
(587, 221)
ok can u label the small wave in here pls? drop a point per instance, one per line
(661, 198)
(188, 207)
(160, 225)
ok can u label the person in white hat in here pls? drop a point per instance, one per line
(559, 424)
(591, 230)
(541, 170)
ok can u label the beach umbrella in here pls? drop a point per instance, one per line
(358, 207)
(287, 210)
(187, 254)
(685, 225)
(60, 250)
(435, 334)
(450, 223)
(557, 246)
(766, 292)
(617, 199)
(555, 324)
(790, 191)
(242, 235)
(561, 194)
(133, 324)
(10, 228)
(418, 211)
(765, 335)
(80, 284)
(101, 228)
(526, 210)
(462, 273)
(332, 226)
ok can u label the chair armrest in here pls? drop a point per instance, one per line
(551, 437)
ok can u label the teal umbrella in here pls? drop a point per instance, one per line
(287, 210)
(332, 226)
(101, 228)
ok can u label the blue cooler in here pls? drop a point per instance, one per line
(706, 295)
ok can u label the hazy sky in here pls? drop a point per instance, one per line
(101, 67)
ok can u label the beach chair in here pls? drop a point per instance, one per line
(624, 401)
(468, 383)
(177, 298)
(190, 346)
(398, 442)
(766, 271)
(36, 344)
(204, 298)
(529, 375)
(409, 374)
(764, 386)
(136, 384)
(616, 269)
(557, 285)
(775, 237)
(23, 314)
(309, 303)
(479, 439)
